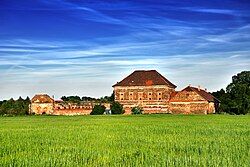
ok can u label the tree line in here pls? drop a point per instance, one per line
(78, 99)
(15, 107)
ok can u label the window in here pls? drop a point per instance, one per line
(149, 95)
(159, 96)
(121, 96)
(140, 95)
(131, 96)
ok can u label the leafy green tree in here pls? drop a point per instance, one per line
(117, 108)
(137, 110)
(239, 91)
(236, 99)
(98, 110)
(224, 100)
(71, 99)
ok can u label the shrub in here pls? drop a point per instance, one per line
(98, 110)
(117, 108)
(137, 110)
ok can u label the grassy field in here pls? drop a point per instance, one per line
(144, 140)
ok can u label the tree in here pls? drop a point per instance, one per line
(137, 110)
(71, 99)
(239, 91)
(224, 100)
(107, 99)
(98, 110)
(85, 98)
(117, 108)
(236, 98)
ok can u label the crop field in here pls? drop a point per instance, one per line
(135, 140)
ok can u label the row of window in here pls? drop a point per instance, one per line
(140, 96)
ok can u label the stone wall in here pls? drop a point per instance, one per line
(190, 102)
(202, 107)
(187, 96)
(75, 111)
(72, 109)
(153, 99)
(62, 108)
(211, 108)
(41, 108)
(156, 99)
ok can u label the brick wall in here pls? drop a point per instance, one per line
(72, 111)
(42, 108)
(153, 99)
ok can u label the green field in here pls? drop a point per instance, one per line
(143, 140)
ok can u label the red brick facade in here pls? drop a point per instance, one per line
(155, 94)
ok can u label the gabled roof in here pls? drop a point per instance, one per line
(42, 98)
(204, 94)
(145, 78)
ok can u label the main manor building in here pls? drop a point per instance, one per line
(156, 94)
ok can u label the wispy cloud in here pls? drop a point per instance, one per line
(83, 12)
(215, 11)
(91, 46)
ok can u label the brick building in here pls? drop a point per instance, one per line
(155, 94)
(148, 89)
(193, 100)
(44, 104)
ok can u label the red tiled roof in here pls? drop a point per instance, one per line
(145, 78)
(42, 98)
(206, 95)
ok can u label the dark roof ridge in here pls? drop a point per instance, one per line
(141, 77)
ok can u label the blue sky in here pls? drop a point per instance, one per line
(63, 47)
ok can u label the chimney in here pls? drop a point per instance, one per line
(199, 87)
(206, 89)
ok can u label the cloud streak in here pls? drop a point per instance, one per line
(90, 46)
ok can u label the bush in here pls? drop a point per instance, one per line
(137, 110)
(117, 108)
(98, 110)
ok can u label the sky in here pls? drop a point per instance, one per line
(83, 47)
